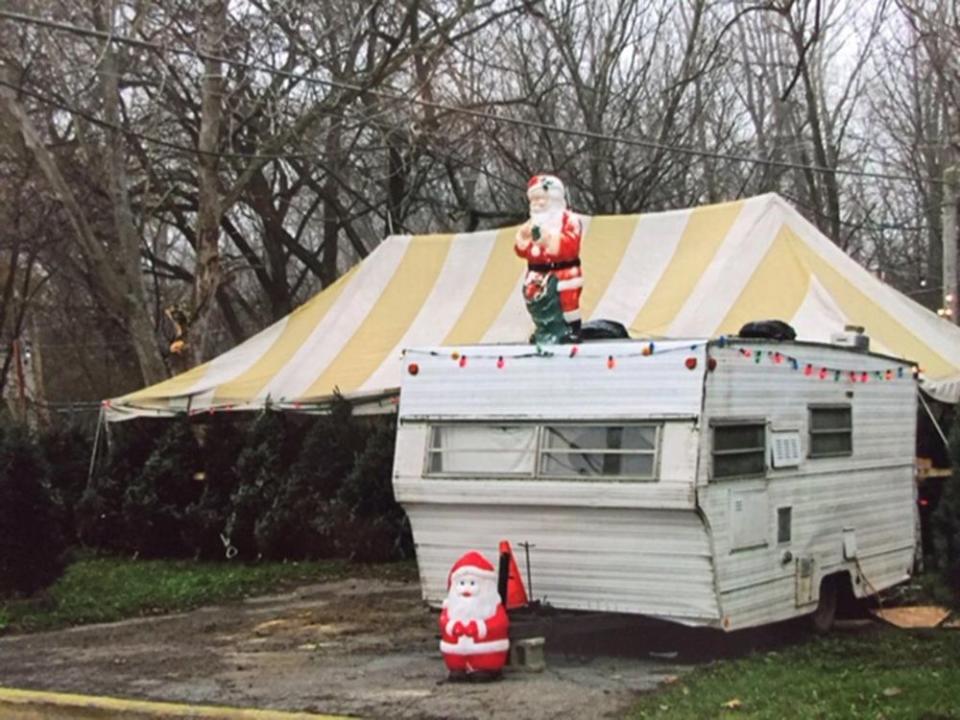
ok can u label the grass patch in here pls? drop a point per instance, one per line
(104, 589)
(881, 674)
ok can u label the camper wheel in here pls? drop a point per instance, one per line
(822, 618)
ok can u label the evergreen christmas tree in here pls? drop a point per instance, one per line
(66, 449)
(297, 524)
(270, 449)
(374, 526)
(155, 500)
(222, 440)
(98, 514)
(31, 543)
(946, 519)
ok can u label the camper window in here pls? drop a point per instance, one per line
(599, 451)
(482, 450)
(739, 449)
(831, 431)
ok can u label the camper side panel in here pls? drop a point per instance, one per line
(599, 380)
(834, 490)
(629, 546)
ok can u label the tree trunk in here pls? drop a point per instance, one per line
(331, 219)
(127, 256)
(112, 287)
(208, 274)
(951, 196)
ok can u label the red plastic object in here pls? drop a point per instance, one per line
(516, 592)
(473, 623)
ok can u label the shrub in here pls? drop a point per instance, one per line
(31, 542)
(372, 525)
(156, 498)
(66, 449)
(946, 519)
(98, 514)
(270, 448)
(221, 441)
(296, 523)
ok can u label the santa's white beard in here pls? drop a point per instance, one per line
(549, 221)
(481, 606)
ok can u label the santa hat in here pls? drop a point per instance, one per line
(550, 184)
(472, 563)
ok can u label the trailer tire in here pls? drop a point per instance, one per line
(821, 620)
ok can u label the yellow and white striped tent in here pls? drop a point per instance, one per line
(700, 272)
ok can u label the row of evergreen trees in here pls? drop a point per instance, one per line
(275, 486)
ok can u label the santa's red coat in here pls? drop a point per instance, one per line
(465, 651)
(569, 280)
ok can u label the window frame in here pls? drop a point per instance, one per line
(784, 528)
(763, 450)
(811, 433)
(442, 474)
(540, 449)
(543, 449)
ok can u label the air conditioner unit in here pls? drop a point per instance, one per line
(851, 337)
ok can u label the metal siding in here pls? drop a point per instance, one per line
(628, 546)
(555, 385)
(640, 546)
(870, 490)
(654, 562)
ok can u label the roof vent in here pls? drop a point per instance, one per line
(852, 337)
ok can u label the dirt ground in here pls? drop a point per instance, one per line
(361, 647)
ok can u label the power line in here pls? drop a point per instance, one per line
(478, 114)
(865, 225)
(142, 136)
(288, 156)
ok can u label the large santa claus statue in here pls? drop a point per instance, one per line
(473, 622)
(550, 243)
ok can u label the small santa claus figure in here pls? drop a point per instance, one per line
(473, 622)
(550, 243)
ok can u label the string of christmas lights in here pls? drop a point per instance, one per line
(824, 372)
(647, 349)
(570, 351)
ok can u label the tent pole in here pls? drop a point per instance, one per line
(940, 432)
(96, 445)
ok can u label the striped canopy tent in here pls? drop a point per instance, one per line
(699, 272)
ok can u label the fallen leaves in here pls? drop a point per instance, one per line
(733, 704)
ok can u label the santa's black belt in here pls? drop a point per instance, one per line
(547, 267)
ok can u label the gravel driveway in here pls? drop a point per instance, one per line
(362, 647)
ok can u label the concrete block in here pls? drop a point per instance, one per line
(527, 655)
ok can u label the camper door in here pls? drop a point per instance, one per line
(739, 461)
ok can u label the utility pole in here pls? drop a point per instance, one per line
(951, 196)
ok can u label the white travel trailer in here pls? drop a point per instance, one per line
(725, 483)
